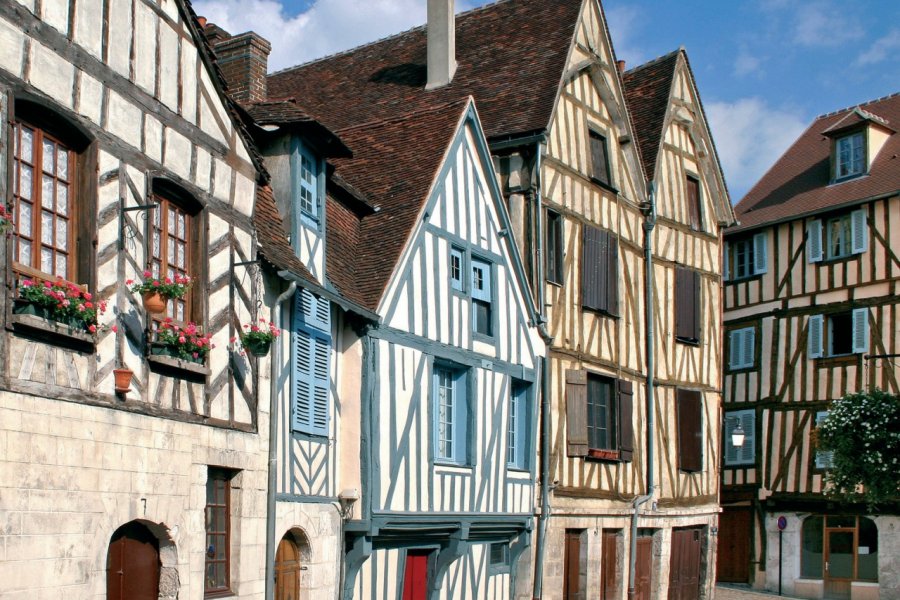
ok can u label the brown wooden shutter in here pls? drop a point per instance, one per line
(590, 259)
(695, 302)
(599, 162)
(693, 201)
(612, 274)
(687, 304)
(600, 270)
(626, 420)
(690, 432)
(576, 413)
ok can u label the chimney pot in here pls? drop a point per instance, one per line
(441, 33)
(621, 66)
(202, 21)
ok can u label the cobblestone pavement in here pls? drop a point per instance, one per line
(724, 592)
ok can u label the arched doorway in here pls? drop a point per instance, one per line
(292, 552)
(133, 564)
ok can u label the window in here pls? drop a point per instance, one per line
(845, 235)
(687, 305)
(218, 531)
(310, 362)
(745, 257)
(813, 547)
(554, 249)
(850, 156)
(456, 268)
(451, 414)
(823, 459)
(518, 426)
(852, 544)
(51, 202)
(695, 213)
(599, 416)
(172, 237)
(746, 454)
(599, 159)
(482, 314)
(305, 167)
(600, 271)
(741, 348)
(499, 559)
(690, 429)
(839, 334)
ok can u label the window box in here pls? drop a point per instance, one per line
(167, 357)
(34, 319)
(603, 454)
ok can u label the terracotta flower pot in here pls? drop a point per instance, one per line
(155, 303)
(123, 380)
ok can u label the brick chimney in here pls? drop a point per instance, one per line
(243, 59)
(441, 43)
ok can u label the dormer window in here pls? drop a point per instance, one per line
(850, 156)
(305, 166)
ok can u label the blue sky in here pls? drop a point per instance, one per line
(764, 68)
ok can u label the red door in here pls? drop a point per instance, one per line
(684, 569)
(133, 564)
(733, 554)
(415, 575)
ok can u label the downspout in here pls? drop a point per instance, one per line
(541, 537)
(649, 224)
(273, 448)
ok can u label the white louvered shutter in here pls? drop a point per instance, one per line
(726, 267)
(858, 231)
(815, 340)
(861, 330)
(310, 362)
(814, 240)
(760, 255)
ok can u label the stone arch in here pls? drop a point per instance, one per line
(292, 557)
(167, 551)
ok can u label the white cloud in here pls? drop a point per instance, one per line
(622, 19)
(747, 63)
(329, 26)
(883, 47)
(824, 24)
(750, 136)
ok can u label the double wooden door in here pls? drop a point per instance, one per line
(133, 564)
(733, 554)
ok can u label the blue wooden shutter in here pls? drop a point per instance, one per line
(760, 255)
(814, 240)
(461, 418)
(815, 348)
(315, 311)
(861, 330)
(726, 267)
(858, 231)
(481, 280)
(734, 348)
(311, 356)
(457, 266)
(749, 344)
(746, 454)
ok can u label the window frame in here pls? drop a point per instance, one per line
(845, 224)
(300, 155)
(822, 459)
(458, 283)
(695, 203)
(578, 442)
(502, 566)
(481, 297)
(853, 170)
(742, 333)
(554, 247)
(518, 426)
(165, 202)
(460, 414)
(217, 474)
(612, 415)
(747, 420)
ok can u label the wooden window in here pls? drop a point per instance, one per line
(451, 414)
(746, 454)
(600, 271)
(554, 247)
(575, 565)
(687, 305)
(839, 334)
(599, 419)
(695, 212)
(690, 430)
(850, 159)
(518, 426)
(311, 358)
(217, 580)
(845, 235)
(305, 167)
(171, 240)
(599, 159)
(746, 257)
(457, 268)
(741, 348)
(482, 299)
(498, 559)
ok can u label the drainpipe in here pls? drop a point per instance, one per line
(273, 448)
(541, 537)
(649, 224)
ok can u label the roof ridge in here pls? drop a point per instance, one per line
(857, 105)
(656, 60)
(380, 40)
(407, 115)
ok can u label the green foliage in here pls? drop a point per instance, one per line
(863, 432)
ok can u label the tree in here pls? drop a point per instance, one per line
(862, 431)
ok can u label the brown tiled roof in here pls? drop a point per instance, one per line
(286, 112)
(395, 162)
(647, 89)
(800, 182)
(272, 241)
(510, 56)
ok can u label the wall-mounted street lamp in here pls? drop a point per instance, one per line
(737, 434)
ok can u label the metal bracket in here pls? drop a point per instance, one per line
(123, 226)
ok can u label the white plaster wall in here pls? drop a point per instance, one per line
(320, 524)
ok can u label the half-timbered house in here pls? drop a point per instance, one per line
(121, 154)
(810, 304)
(565, 149)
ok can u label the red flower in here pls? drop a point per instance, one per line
(115, 328)
(92, 328)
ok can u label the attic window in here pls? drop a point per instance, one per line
(850, 156)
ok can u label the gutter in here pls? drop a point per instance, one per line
(273, 448)
(649, 224)
(317, 289)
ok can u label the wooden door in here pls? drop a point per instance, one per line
(840, 554)
(609, 576)
(133, 564)
(684, 567)
(643, 569)
(415, 575)
(733, 555)
(287, 569)
(574, 573)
